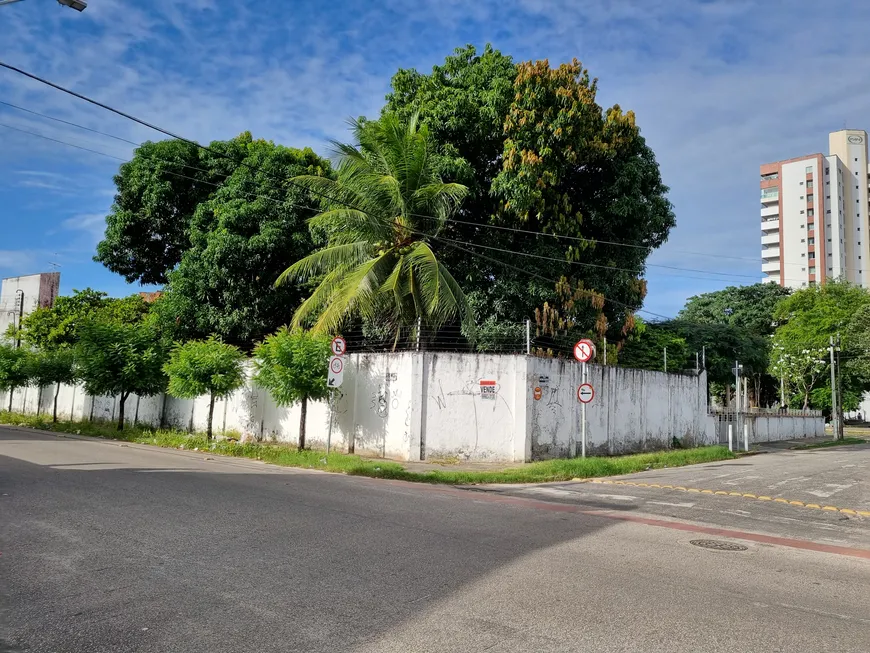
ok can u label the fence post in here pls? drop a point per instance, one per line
(746, 435)
(528, 337)
(730, 437)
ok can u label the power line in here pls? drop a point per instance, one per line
(67, 122)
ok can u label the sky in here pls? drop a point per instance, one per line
(718, 86)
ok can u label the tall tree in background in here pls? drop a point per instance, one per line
(241, 239)
(53, 367)
(158, 192)
(387, 208)
(14, 369)
(58, 327)
(504, 128)
(748, 307)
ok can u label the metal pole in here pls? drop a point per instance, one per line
(697, 364)
(782, 388)
(329, 432)
(583, 420)
(839, 394)
(605, 350)
(666, 360)
(20, 317)
(745, 436)
(833, 391)
(419, 326)
(737, 394)
(704, 357)
(528, 337)
(730, 437)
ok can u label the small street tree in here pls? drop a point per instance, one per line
(14, 369)
(291, 365)
(199, 367)
(121, 359)
(53, 368)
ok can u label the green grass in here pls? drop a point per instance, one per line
(832, 443)
(539, 472)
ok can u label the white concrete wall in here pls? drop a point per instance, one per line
(767, 428)
(413, 406)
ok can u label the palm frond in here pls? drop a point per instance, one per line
(325, 260)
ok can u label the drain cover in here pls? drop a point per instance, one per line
(718, 545)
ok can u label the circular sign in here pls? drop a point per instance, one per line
(537, 393)
(855, 139)
(336, 365)
(584, 350)
(339, 346)
(585, 393)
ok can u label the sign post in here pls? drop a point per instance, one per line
(334, 378)
(584, 350)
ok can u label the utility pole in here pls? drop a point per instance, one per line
(605, 350)
(666, 360)
(19, 297)
(839, 393)
(834, 404)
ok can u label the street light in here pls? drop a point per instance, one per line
(78, 5)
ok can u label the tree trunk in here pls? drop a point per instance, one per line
(124, 396)
(11, 392)
(54, 410)
(303, 415)
(210, 415)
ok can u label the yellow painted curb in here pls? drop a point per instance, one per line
(832, 508)
(796, 503)
(763, 498)
(722, 492)
(781, 500)
(706, 491)
(813, 505)
(750, 496)
(848, 511)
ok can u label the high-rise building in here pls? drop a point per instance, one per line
(814, 215)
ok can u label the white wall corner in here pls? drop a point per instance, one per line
(522, 450)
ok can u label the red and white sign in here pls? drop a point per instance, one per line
(488, 389)
(336, 372)
(585, 393)
(584, 350)
(339, 346)
(336, 365)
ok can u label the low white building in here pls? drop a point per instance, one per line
(20, 296)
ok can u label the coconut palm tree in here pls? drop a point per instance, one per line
(382, 216)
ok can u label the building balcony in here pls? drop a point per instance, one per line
(770, 238)
(770, 211)
(770, 224)
(771, 278)
(770, 253)
(769, 196)
(770, 266)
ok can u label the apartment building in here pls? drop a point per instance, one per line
(20, 296)
(814, 215)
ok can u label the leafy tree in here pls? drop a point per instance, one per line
(121, 359)
(53, 367)
(748, 307)
(807, 320)
(291, 365)
(57, 327)
(14, 369)
(539, 154)
(201, 367)
(645, 348)
(158, 192)
(387, 207)
(801, 369)
(241, 239)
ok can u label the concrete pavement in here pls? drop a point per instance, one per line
(107, 547)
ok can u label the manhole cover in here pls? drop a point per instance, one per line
(718, 545)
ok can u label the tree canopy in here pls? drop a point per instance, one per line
(539, 154)
(241, 239)
(58, 327)
(748, 307)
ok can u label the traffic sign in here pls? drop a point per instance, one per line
(339, 346)
(336, 372)
(584, 350)
(585, 393)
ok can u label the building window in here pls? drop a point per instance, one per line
(811, 241)
(809, 198)
(827, 183)
(827, 170)
(811, 212)
(810, 168)
(828, 211)
(809, 183)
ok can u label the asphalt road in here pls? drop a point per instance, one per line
(106, 547)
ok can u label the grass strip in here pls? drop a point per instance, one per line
(539, 472)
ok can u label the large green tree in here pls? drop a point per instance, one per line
(383, 217)
(748, 307)
(241, 239)
(15, 369)
(58, 327)
(158, 192)
(53, 367)
(807, 320)
(539, 154)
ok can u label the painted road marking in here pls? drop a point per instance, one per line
(742, 495)
(824, 494)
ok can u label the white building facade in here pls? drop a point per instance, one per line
(814, 215)
(20, 296)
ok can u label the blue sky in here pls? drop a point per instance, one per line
(719, 87)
